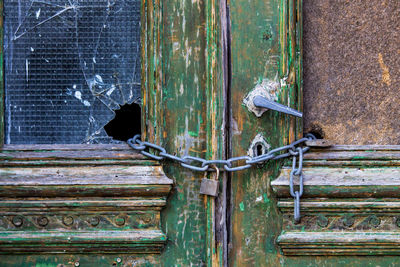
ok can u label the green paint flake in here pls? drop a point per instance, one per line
(241, 206)
(266, 199)
(193, 134)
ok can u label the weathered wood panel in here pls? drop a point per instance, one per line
(344, 244)
(190, 121)
(346, 209)
(343, 182)
(1, 76)
(263, 53)
(104, 208)
(27, 242)
(80, 260)
(183, 108)
(217, 77)
(256, 220)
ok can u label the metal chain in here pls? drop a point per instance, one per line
(294, 150)
(230, 165)
(297, 171)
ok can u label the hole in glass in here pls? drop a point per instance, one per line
(126, 123)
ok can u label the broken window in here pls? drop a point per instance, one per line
(69, 65)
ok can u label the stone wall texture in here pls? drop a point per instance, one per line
(352, 70)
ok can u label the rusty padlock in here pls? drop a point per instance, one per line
(210, 187)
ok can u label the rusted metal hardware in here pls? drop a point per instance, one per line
(262, 102)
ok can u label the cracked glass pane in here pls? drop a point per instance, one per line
(69, 64)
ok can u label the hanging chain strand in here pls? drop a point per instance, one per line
(297, 171)
(294, 150)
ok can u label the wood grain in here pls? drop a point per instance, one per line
(350, 205)
(80, 199)
(343, 182)
(340, 244)
(82, 242)
(265, 48)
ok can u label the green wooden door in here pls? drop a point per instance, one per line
(265, 60)
(345, 214)
(106, 205)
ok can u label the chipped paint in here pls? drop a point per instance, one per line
(266, 88)
(266, 199)
(259, 140)
(241, 206)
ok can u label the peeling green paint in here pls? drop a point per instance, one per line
(241, 206)
(193, 134)
(266, 199)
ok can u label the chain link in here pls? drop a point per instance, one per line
(294, 150)
(297, 170)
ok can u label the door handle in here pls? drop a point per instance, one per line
(262, 102)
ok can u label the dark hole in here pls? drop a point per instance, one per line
(126, 123)
(259, 148)
(316, 130)
(318, 135)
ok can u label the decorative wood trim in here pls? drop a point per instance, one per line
(355, 206)
(82, 242)
(77, 199)
(343, 182)
(345, 243)
(92, 204)
(354, 156)
(350, 205)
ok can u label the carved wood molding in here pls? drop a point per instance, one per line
(350, 205)
(345, 243)
(82, 242)
(78, 199)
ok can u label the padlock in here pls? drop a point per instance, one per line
(209, 187)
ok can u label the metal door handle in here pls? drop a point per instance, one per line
(262, 102)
